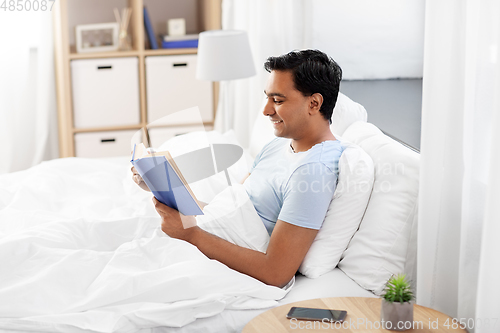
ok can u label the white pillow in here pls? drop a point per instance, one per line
(345, 113)
(344, 215)
(379, 248)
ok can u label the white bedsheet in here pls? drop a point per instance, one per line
(81, 249)
(331, 284)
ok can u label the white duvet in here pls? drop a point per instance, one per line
(81, 250)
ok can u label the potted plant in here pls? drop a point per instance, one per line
(397, 309)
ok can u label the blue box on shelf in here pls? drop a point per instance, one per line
(179, 44)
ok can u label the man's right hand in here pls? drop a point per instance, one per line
(138, 180)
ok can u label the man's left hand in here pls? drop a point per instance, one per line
(173, 223)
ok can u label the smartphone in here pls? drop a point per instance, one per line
(316, 314)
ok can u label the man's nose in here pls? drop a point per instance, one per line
(268, 108)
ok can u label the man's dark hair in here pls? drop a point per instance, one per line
(313, 72)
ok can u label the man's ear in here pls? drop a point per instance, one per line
(316, 100)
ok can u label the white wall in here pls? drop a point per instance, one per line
(370, 39)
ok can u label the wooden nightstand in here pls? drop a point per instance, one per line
(363, 315)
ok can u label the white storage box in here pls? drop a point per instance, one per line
(157, 136)
(172, 86)
(104, 144)
(105, 92)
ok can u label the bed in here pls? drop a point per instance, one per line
(81, 249)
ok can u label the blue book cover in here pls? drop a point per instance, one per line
(149, 30)
(165, 181)
(179, 44)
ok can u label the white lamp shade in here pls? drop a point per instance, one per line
(224, 55)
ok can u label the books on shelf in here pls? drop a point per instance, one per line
(149, 30)
(168, 38)
(179, 44)
(163, 177)
(180, 41)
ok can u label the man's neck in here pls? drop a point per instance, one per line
(308, 141)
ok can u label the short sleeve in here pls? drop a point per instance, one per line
(256, 161)
(307, 195)
(259, 155)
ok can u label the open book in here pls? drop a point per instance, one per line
(165, 180)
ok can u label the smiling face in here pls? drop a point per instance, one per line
(286, 107)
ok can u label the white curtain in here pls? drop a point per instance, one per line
(459, 215)
(28, 123)
(274, 27)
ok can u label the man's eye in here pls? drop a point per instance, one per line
(278, 101)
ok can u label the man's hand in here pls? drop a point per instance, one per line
(174, 223)
(138, 180)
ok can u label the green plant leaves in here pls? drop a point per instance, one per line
(398, 289)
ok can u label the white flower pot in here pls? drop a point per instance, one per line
(396, 316)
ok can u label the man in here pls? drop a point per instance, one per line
(292, 179)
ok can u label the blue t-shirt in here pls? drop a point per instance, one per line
(294, 187)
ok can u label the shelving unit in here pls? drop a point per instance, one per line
(203, 14)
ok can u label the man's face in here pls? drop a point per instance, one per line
(286, 107)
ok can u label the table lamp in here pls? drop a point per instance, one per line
(224, 55)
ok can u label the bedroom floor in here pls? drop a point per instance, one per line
(394, 106)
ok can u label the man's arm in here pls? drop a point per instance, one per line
(287, 248)
(243, 180)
